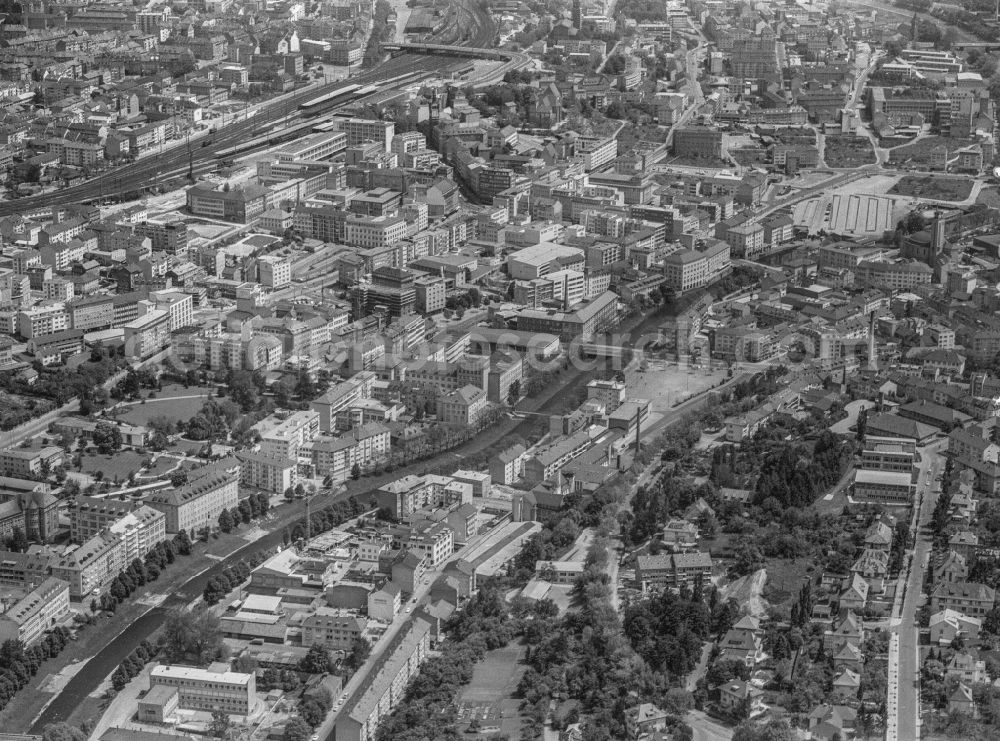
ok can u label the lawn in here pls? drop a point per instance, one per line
(785, 577)
(934, 187)
(848, 151)
(173, 403)
(919, 152)
(989, 196)
(115, 467)
(803, 135)
(489, 696)
(183, 445)
(162, 465)
(16, 410)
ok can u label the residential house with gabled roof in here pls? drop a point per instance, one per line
(846, 685)
(970, 598)
(947, 625)
(698, 508)
(961, 701)
(854, 596)
(964, 543)
(848, 657)
(826, 721)
(734, 694)
(846, 630)
(951, 567)
(872, 566)
(643, 719)
(878, 536)
(742, 644)
(967, 668)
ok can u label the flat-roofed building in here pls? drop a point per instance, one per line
(234, 693)
(673, 569)
(272, 473)
(888, 454)
(140, 531)
(285, 439)
(887, 487)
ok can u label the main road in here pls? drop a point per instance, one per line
(903, 705)
(147, 171)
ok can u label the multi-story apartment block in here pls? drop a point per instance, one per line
(167, 234)
(384, 687)
(91, 567)
(367, 232)
(334, 628)
(268, 472)
(432, 541)
(241, 204)
(285, 439)
(198, 503)
(43, 319)
(698, 141)
(88, 516)
(336, 456)
(44, 607)
(673, 570)
(147, 335)
(902, 275)
(361, 130)
(409, 494)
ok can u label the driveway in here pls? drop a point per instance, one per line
(843, 427)
(706, 728)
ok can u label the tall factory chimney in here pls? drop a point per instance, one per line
(872, 357)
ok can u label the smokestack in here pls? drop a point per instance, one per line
(872, 359)
(937, 234)
(638, 410)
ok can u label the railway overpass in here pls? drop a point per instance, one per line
(455, 51)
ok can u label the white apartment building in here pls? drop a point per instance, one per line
(179, 307)
(368, 232)
(38, 611)
(140, 531)
(285, 439)
(274, 271)
(361, 130)
(686, 269)
(42, 320)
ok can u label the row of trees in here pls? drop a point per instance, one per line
(326, 519)
(249, 509)
(221, 585)
(139, 572)
(429, 709)
(19, 664)
(132, 666)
